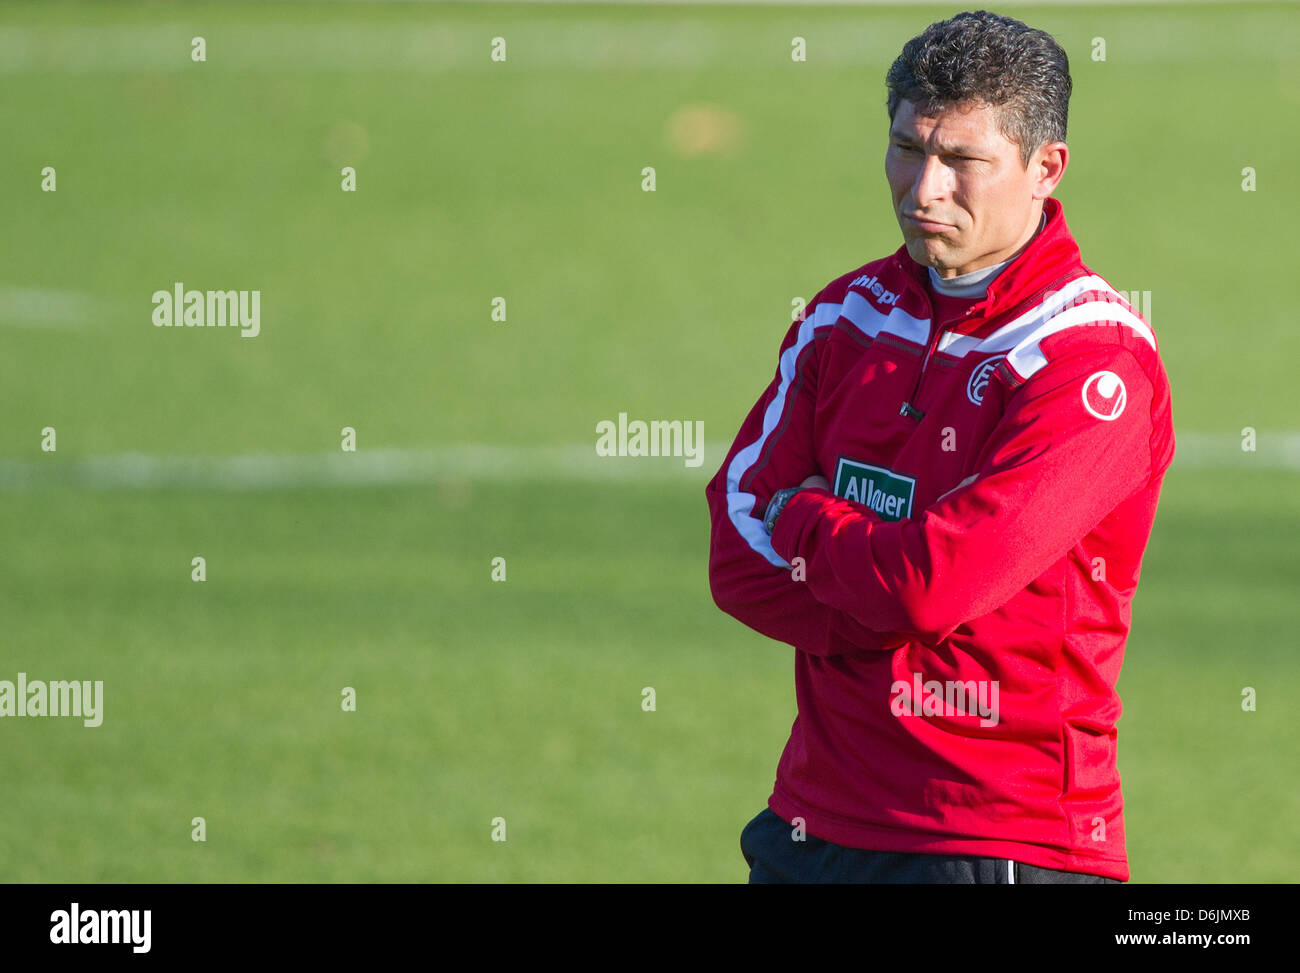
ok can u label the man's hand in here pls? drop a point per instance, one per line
(781, 497)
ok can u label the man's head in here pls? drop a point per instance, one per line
(977, 109)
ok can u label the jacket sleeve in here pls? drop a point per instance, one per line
(1049, 473)
(773, 450)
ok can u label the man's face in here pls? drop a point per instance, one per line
(961, 195)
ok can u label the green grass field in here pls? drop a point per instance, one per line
(522, 179)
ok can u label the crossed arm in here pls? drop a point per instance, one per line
(833, 578)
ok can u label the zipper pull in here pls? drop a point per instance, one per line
(911, 412)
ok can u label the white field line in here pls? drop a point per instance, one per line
(40, 308)
(573, 463)
(366, 467)
(598, 40)
(901, 4)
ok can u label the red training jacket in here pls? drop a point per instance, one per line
(960, 602)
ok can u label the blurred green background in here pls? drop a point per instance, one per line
(522, 179)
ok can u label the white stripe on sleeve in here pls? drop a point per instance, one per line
(740, 506)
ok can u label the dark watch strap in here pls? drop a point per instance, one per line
(776, 505)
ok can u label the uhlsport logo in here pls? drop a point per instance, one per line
(873, 287)
(979, 379)
(1104, 395)
(887, 493)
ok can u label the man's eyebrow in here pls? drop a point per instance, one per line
(943, 149)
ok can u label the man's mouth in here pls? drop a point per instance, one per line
(926, 225)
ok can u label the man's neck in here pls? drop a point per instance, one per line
(976, 282)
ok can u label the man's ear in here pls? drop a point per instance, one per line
(1047, 166)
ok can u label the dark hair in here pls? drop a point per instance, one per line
(983, 57)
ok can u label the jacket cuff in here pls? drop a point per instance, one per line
(799, 509)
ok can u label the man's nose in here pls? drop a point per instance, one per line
(931, 182)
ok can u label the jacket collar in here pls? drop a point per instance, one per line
(1051, 257)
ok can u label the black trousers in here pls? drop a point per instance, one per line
(775, 857)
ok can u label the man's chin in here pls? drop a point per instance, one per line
(929, 252)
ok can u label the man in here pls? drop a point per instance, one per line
(942, 500)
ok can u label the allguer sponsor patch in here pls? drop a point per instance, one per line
(887, 493)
